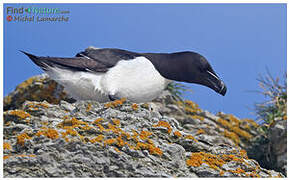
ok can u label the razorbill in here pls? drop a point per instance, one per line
(108, 74)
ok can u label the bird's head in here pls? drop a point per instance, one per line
(196, 69)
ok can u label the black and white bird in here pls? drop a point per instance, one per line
(108, 74)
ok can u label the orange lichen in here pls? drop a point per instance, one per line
(71, 123)
(164, 124)
(115, 103)
(135, 136)
(155, 150)
(222, 173)
(120, 142)
(197, 117)
(98, 120)
(50, 133)
(8, 123)
(224, 123)
(6, 157)
(101, 128)
(148, 146)
(191, 137)
(233, 120)
(19, 155)
(20, 113)
(116, 121)
(242, 133)
(237, 171)
(99, 138)
(144, 134)
(117, 150)
(191, 107)
(196, 159)
(214, 161)
(21, 138)
(243, 154)
(71, 132)
(177, 134)
(233, 136)
(7, 146)
(233, 125)
(35, 105)
(88, 107)
(110, 141)
(113, 129)
(86, 127)
(252, 122)
(200, 131)
(134, 106)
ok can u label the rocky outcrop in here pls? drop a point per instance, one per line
(164, 138)
(37, 88)
(271, 150)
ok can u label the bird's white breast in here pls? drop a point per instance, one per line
(137, 80)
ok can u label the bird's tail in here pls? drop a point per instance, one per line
(37, 60)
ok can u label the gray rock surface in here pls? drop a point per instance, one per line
(163, 138)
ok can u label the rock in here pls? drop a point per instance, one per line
(278, 145)
(121, 139)
(36, 88)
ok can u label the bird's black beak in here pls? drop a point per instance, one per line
(214, 82)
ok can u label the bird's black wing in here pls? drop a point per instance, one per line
(107, 56)
(91, 60)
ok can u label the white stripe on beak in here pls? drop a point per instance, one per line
(213, 75)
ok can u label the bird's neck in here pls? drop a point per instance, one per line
(167, 65)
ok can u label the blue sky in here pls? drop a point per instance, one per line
(239, 41)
